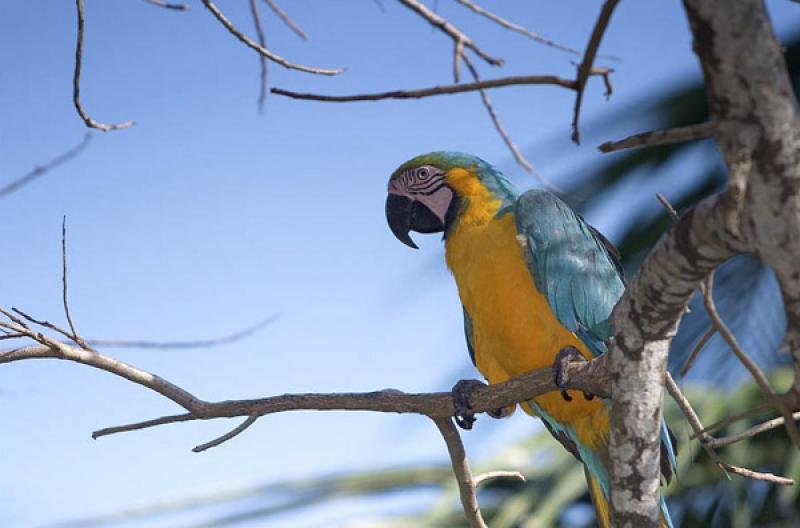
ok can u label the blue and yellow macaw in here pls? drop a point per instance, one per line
(534, 280)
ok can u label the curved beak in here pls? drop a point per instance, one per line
(399, 210)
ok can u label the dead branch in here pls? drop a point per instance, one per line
(749, 433)
(498, 125)
(452, 31)
(40, 170)
(432, 91)
(194, 343)
(169, 5)
(262, 62)
(461, 469)
(585, 67)
(516, 27)
(708, 443)
(286, 19)
(76, 81)
(666, 136)
(755, 370)
(261, 50)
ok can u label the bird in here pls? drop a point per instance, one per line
(537, 285)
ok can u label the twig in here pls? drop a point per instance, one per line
(753, 431)
(45, 324)
(451, 30)
(498, 125)
(696, 350)
(586, 64)
(755, 370)
(187, 417)
(755, 411)
(286, 19)
(261, 50)
(262, 41)
(39, 170)
(432, 91)
(76, 81)
(707, 442)
(197, 343)
(516, 27)
(458, 458)
(169, 5)
(496, 475)
(665, 136)
(227, 436)
(74, 335)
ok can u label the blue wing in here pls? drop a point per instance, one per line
(578, 271)
(572, 264)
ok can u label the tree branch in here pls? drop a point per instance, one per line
(169, 5)
(286, 19)
(585, 67)
(261, 50)
(262, 61)
(40, 170)
(76, 81)
(666, 136)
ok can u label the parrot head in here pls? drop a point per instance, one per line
(428, 193)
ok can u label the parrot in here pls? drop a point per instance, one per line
(537, 285)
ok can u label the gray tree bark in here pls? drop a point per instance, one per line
(758, 132)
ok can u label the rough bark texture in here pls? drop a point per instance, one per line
(758, 132)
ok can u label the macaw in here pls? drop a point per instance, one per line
(535, 280)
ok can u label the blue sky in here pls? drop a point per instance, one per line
(206, 217)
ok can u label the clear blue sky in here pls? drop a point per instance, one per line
(206, 216)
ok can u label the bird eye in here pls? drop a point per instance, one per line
(423, 173)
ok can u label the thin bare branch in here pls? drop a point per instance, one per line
(75, 337)
(458, 458)
(750, 413)
(451, 30)
(45, 324)
(261, 50)
(262, 41)
(696, 350)
(432, 91)
(665, 136)
(76, 81)
(758, 475)
(750, 365)
(585, 67)
(169, 5)
(39, 170)
(497, 475)
(196, 343)
(286, 19)
(498, 125)
(227, 436)
(163, 420)
(516, 27)
(753, 431)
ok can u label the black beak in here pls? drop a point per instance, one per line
(398, 214)
(405, 214)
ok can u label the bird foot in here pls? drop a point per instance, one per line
(462, 392)
(561, 372)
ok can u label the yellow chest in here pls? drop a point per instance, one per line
(514, 329)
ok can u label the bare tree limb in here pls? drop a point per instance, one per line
(666, 136)
(452, 31)
(169, 5)
(497, 475)
(194, 343)
(286, 19)
(76, 81)
(498, 125)
(40, 170)
(516, 27)
(74, 334)
(262, 62)
(749, 433)
(750, 365)
(227, 436)
(261, 50)
(432, 91)
(585, 67)
(461, 469)
(696, 350)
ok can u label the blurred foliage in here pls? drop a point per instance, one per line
(555, 493)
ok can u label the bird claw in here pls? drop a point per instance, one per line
(561, 373)
(462, 391)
